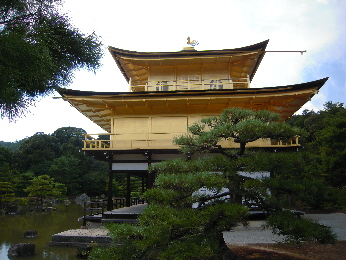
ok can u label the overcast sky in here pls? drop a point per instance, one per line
(317, 26)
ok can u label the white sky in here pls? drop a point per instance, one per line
(317, 26)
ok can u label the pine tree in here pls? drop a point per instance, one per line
(193, 202)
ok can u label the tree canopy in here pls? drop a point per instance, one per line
(37, 152)
(58, 155)
(70, 135)
(326, 139)
(240, 125)
(39, 51)
(43, 186)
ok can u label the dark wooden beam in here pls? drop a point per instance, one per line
(110, 182)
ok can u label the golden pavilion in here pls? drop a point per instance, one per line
(167, 92)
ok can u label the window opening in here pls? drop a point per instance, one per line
(217, 84)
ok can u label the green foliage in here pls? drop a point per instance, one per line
(39, 51)
(13, 146)
(58, 155)
(36, 153)
(240, 125)
(94, 183)
(44, 186)
(22, 182)
(21, 201)
(6, 192)
(168, 233)
(326, 139)
(334, 199)
(66, 169)
(120, 185)
(6, 156)
(170, 228)
(70, 135)
(182, 221)
(61, 190)
(296, 229)
(293, 181)
(8, 172)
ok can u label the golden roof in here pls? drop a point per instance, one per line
(101, 106)
(241, 62)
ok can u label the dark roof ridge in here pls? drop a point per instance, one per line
(261, 45)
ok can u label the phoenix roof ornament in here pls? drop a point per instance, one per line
(192, 43)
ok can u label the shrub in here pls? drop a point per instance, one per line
(296, 229)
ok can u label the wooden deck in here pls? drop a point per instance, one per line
(122, 215)
(94, 231)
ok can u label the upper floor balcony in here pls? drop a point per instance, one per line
(132, 141)
(189, 83)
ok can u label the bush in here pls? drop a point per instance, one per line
(336, 199)
(296, 229)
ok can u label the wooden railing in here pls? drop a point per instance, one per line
(206, 84)
(97, 207)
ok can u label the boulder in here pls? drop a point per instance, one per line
(12, 210)
(22, 249)
(84, 250)
(30, 233)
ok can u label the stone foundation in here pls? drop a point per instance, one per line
(78, 237)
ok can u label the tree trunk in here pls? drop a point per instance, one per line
(241, 150)
(224, 252)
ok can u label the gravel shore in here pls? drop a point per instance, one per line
(252, 234)
(255, 234)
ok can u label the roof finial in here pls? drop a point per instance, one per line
(192, 43)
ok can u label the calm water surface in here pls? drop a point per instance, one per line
(12, 228)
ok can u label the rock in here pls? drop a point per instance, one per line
(12, 210)
(22, 249)
(84, 250)
(82, 198)
(48, 209)
(30, 233)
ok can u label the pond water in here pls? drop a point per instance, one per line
(12, 228)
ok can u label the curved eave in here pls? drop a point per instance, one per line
(101, 106)
(131, 62)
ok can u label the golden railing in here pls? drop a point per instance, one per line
(129, 141)
(91, 143)
(291, 142)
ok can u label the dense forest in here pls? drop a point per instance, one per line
(313, 176)
(58, 155)
(318, 178)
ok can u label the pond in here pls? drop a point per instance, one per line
(46, 224)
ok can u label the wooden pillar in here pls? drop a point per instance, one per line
(110, 182)
(151, 179)
(128, 191)
(151, 175)
(143, 184)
